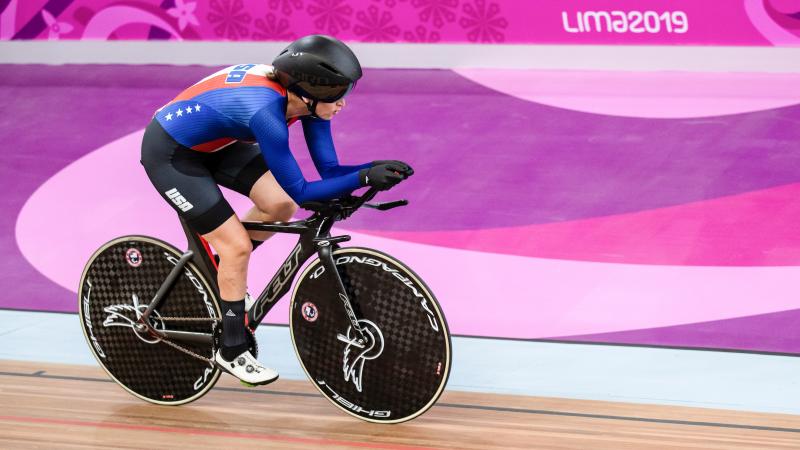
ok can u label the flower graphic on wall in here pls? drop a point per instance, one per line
(184, 12)
(229, 19)
(421, 34)
(376, 25)
(54, 27)
(272, 28)
(389, 3)
(483, 22)
(436, 11)
(331, 16)
(286, 6)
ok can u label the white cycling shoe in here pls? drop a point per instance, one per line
(246, 368)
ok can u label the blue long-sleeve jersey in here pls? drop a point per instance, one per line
(242, 103)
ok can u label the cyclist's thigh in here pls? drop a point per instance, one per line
(239, 166)
(245, 171)
(183, 179)
(270, 197)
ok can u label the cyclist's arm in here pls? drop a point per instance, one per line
(320, 144)
(269, 127)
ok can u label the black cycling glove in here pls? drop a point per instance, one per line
(398, 166)
(384, 175)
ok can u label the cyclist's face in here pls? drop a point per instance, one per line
(328, 110)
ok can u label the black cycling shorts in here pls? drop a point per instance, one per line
(188, 179)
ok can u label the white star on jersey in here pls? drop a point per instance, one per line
(188, 110)
(197, 108)
(179, 112)
(169, 116)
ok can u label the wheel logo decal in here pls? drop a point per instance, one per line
(134, 257)
(357, 351)
(309, 311)
(119, 316)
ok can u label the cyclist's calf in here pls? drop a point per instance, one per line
(233, 246)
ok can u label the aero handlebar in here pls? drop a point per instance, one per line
(345, 206)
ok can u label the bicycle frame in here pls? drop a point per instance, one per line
(314, 238)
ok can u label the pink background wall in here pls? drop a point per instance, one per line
(643, 22)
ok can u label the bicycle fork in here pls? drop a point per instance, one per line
(326, 256)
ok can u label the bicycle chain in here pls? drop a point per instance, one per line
(189, 319)
(197, 319)
(188, 352)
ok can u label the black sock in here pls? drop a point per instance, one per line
(234, 339)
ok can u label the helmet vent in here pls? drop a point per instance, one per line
(329, 67)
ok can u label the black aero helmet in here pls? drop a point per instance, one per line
(318, 67)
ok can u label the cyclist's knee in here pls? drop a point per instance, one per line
(285, 210)
(231, 241)
(238, 248)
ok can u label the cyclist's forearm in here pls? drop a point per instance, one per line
(339, 170)
(327, 189)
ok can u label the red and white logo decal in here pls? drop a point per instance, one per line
(309, 311)
(134, 257)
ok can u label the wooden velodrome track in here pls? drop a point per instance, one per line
(61, 406)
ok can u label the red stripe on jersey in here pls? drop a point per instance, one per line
(218, 82)
(211, 146)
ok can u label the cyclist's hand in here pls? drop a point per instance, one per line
(398, 166)
(381, 176)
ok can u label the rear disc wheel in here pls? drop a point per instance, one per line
(117, 284)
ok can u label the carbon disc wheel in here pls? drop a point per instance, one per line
(117, 284)
(400, 367)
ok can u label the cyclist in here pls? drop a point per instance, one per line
(231, 129)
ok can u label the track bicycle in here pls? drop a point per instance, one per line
(368, 332)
